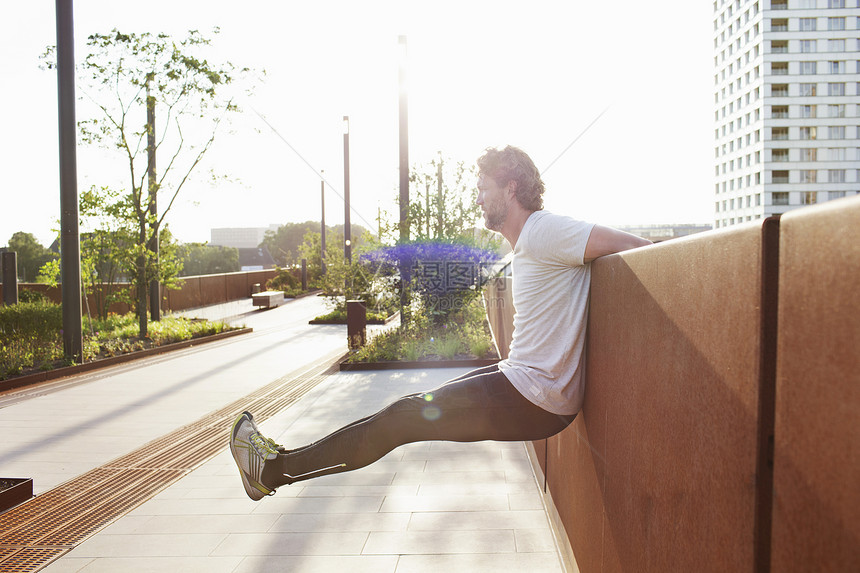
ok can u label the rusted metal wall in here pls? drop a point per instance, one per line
(816, 493)
(721, 423)
(658, 473)
(195, 291)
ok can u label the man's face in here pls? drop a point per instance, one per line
(493, 202)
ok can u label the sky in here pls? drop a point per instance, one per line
(480, 73)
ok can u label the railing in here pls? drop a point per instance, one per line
(720, 428)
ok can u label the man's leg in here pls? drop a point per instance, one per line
(481, 405)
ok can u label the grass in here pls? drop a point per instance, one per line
(465, 334)
(31, 336)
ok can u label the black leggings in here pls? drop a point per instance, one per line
(480, 405)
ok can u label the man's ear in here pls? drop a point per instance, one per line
(512, 188)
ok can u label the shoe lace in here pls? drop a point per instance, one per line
(265, 444)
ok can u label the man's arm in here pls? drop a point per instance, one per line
(605, 241)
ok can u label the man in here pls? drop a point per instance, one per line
(533, 394)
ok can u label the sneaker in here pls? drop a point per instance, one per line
(251, 450)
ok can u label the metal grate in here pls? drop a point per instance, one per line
(43, 529)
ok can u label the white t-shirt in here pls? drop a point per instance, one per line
(550, 294)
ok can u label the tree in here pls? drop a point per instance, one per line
(284, 243)
(108, 252)
(31, 255)
(204, 259)
(442, 205)
(127, 77)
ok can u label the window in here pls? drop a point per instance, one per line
(779, 47)
(808, 46)
(780, 198)
(780, 176)
(836, 176)
(836, 24)
(779, 155)
(836, 154)
(779, 90)
(836, 67)
(779, 133)
(836, 3)
(836, 132)
(808, 175)
(758, 178)
(757, 200)
(808, 68)
(836, 89)
(808, 89)
(808, 133)
(808, 197)
(837, 110)
(807, 24)
(779, 4)
(835, 45)
(779, 68)
(808, 111)
(781, 24)
(808, 154)
(836, 195)
(779, 111)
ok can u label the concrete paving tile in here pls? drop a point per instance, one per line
(466, 520)
(468, 488)
(525, 501)
(310, 522)
(126, 524)
(440, 542)
(247, 544)
(320, 564)
(370, 475)
(196, 507)
(479, 477)
(367, 504)
(169, 545)
(473, 457)
(400, 504)
(181, 524)
(155, 565)
(68, 565)
(534, 540)
(480, 563)
(356, 490)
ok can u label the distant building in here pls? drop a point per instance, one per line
(786, 105)
(657, 233)
(255, 259)
(240, 237)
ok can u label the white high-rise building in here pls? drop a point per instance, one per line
(787, 105)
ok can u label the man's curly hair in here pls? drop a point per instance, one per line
(513, 164)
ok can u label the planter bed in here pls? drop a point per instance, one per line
(14, 491)
(46, 375)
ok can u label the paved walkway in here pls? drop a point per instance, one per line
(425, 507)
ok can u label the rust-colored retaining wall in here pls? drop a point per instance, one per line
(816, 500)
(195, 291)
(706, 355)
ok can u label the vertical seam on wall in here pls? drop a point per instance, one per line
(766, 394)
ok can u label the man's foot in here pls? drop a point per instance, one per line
(251, 450)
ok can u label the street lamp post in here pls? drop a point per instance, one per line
(322, 223)
(347, 230)
(405, 277)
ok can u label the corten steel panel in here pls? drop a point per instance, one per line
(235, 287)
(212, 289)
(658, 471)
(816, 519)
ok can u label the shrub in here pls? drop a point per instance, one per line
(30, 335)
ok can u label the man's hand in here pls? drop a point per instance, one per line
(606, 241)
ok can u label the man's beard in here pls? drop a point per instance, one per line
(495, 217)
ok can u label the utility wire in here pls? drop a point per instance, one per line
(318, 173)
(551, 163)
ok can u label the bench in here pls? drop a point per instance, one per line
(268, 299)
